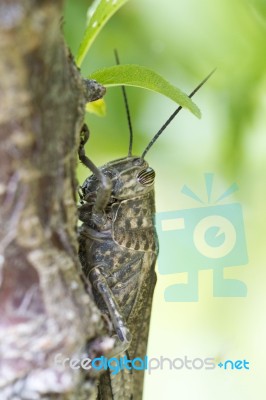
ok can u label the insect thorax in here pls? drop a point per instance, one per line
(130, 211)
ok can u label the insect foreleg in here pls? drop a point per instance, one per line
(104, 191)
(123, 336)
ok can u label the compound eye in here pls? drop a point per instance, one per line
(146, 177)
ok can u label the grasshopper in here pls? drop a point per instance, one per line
(118, 247)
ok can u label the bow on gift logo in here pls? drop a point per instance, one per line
(208, 237)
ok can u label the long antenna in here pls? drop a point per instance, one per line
(127, 111)
(173, 116)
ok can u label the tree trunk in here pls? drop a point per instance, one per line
(45, 309)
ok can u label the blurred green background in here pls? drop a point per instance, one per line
(184, 40)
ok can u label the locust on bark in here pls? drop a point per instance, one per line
(118, 248)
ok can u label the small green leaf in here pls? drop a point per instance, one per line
(97, 107)
(98, 14)
(135, 75)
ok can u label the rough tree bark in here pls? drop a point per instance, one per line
(45, 309)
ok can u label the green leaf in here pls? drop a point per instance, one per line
(98, 14)
(135, 75)
(97, 107)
